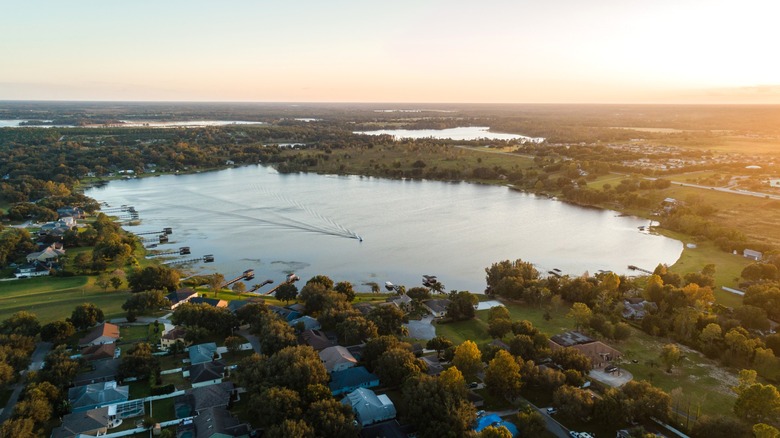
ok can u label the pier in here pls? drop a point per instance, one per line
(208, 258)
(246, 275)
(291, 278)
(184, 250)
(635, 268)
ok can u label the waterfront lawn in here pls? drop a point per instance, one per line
(52, 298)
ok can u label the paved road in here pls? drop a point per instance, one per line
(553, 426)
(254, 340)
(41, 350)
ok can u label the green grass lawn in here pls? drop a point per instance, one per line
(177, 380)
(52, 298)
(133, 333)
(139, 389)
(162, 410)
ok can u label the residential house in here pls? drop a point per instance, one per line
(364, 308)
(202, 353)
(386, 429)
(637, 308)
(434, 366)
(105, 333)
(180, 297)
(171, 336)
(599, 353)
(234, 305)
(94, 422)
(316, 339)
(74, 212)
(368, 407)
(36, 269)
(342, 382)
(100, 352)
(49, 254)
(337, 358)
(214, 423)
(207, 373)
(437, 307)
(752, 254)
(213, 302)
(97, 395)
(403, 302)
(286, 314)
(102, 371)
(308, 322)
(206, 397)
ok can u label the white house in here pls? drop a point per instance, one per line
(751, 254)
(370, 408)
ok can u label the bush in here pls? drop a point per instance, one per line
(162, 390)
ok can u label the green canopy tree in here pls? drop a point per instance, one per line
(86, 315)
(468, 359)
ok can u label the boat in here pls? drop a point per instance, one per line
(389, 286)
(291, 277)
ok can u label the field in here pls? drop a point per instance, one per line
(52, 298)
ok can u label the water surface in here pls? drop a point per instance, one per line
(461, 133)
(255, 218)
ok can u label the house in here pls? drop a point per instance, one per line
(201, 353)
(315, 339)
(49, 254)
(100, 352)
(364, 308)
(286, 314)
(102, 371)
(387, 429)
(437, 307)
(234, 305)
(97, 395)
(752, 255)
(403, 302)
(94, 422)
(498, 343)
(35, 269)
(180, 297)
(214, 423)
(105, 333)
(368, 407)
(434, 366)
(207, 373)
(351, 379)
(206, 397)
(74, 212)
(337, 358)
(308, 322)
(637, 308)
(171, 336)
(598, 352)
(213, 302)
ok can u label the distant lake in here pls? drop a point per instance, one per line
(255, 218)
(462, 133)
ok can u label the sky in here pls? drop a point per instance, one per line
(492, 51)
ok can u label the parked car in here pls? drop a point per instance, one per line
(473, 385)
(552, 411)
(610, 368)
(574, 434)
(480, 413)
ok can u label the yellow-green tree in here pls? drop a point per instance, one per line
(503, 375)
(468, 359)
(580, 313)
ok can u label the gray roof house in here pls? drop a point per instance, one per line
(204, 397)
(201, 353)
(91, 423)
(369, 408)
(337, 358)
(102, 370)
(96, 395)
(309, 323)
(215, 423)
(207, 373)
(437, 307)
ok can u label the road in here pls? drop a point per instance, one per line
(36, 363)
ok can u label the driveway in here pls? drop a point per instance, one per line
(254, 340)
(616, 379)
(422, 329)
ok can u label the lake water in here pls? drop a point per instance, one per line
(255, 218)
(461, 133)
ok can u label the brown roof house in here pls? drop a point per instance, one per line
(100, 352)
(105, 333)
(599, 353)
(337, 358)
(91, 423)
(171, 336)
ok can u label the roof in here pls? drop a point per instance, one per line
(285, 313)
(102, 370)
(202, 353)
(369, 407)
(385, 429)
(351, 377)
(214, 302)
(364, 308)
(216, 422)
(210, 396)
(97, 394)
(570, 338)
(401, 299)
(336, 355)
(106, 329)
(181, 295)
(81, 422)
(203, 372)
(309, 323)
(437, 306)
(315, 339)
(234, 305)
(99, 351)
(496, 421)
(175, 333)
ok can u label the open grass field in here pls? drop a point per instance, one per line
(52, 298)
(769, 145)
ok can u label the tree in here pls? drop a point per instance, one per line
(388, 319)
(103, 281)
(376, 347)
(762, 430)
(18, 428)
(759, 403)
(57, 332)
(435, 410)
(154, 277)
(574, 403)
(275, 334)
(752, 317)
(581, 314)
(572, 359)
(83, 262)
(286, 292)
(321, 279)
(139, 362)
(498, 328)
(439, 343)
(345, 288)
(646, 401)
(316, 296)
(86, 315)
(239, 288)
(141, 302)
(22, 323)
(333, 419)
(419, 293)
(296, 368)
(452, 380)
(611, 408)
(356, 329)
(116, 282)
(396, 365)
(495, 432)
(720, 426)
(530, 422)
(468, 359)
(670, 356)
(58, 368)
(275, 405)
(289, 427)
(503, 376)
(216, 281)
(461, 306)
(233, 343)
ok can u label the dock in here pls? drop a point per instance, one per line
(246, 275)
(635, 268)
(208, 258)
(291, 278)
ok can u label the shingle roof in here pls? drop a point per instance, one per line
(106, 329)
(81, 422)
(97, 394)
(204, 372)
(210, 396)
(351, 377)
(369, 407)
(201, 353)
(336, 355)
(219, 422)
(316, 339)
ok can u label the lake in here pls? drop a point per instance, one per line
(461, 133)
(255, 218)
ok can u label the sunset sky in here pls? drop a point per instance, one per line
(557, 51)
